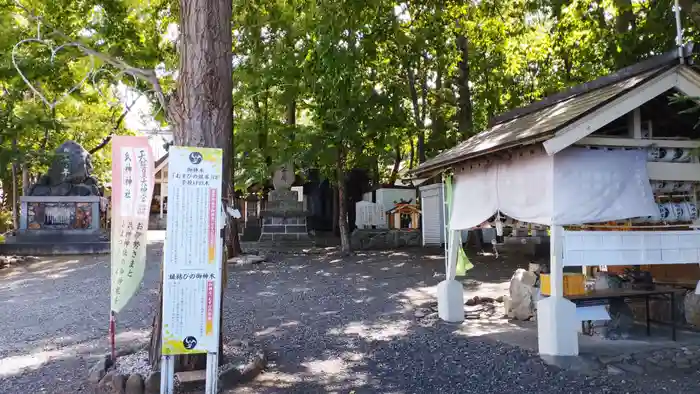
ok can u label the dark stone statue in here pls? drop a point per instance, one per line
(69, 174)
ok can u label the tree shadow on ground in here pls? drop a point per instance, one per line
(342, 324)
(55, 317)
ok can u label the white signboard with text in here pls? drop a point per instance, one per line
(193, 252)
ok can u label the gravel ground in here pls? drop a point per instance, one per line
(331, 325)
(54, 317)
(347, 325)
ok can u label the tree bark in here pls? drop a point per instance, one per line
(342, 205)
(464, 110)
(418, 118)
(25, 179)
(200, 111)
(437, 140)
(336, 209)
(108, 138)
(397, 164)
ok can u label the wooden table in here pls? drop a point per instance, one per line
(610, 294)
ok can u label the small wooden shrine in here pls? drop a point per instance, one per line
(404, 216)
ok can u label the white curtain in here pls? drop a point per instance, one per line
(474, 198)
(601, 185)
(575, 186)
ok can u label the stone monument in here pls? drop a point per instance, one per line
(284, 217)
(61, 212)
(69, 174)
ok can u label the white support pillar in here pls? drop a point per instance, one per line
(635, 124)
(557, 324)
(450, 293)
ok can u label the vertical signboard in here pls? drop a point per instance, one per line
(193, 250)
(132, 190)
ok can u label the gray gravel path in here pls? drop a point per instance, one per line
(332, 324)
(347, 325)
(54, 317)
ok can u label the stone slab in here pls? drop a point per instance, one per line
(191, 380)
(66, 199)
(48, 248)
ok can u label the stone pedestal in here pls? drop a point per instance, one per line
(450, 295)
(284, 221)
(58, 225)
(557, 327)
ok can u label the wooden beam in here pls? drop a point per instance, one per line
(661, 171)
(637, 143)
(688, 81)
(622, 105)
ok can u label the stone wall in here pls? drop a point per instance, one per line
(384, 239)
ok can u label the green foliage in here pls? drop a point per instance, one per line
(381, 82)
(377, 78)
(29, 129)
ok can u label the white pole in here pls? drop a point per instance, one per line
(167, 375)
(212, 376)
(679, 32)
(556, 267)
(445, 221)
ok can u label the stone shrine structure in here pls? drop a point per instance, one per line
(284, 217)
(61, 213)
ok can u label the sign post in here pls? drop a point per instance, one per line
(192, 261)
(132, 191)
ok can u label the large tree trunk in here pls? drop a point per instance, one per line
(335, 209)
(464, 111)
(397, 164)
(342, 204)
(418, 118)
(201, 110)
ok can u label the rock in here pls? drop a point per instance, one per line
(384, 239)
(71, 164)
(134, 385)
(40, 190)
(112, 383)
(246, 259)
(665, 363)
(419, 314)
(622, 319)
(692, 309)
(522, 295)
(152, 383)
(190, 381)
(500, 298)
(68, 175)
(81, 190)
(611, 359)
(250, 371)
(118, 384)
(61, 189)
(631, 368)
(486, 300)
(99, 370)
(613, 370)
(472, 301)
